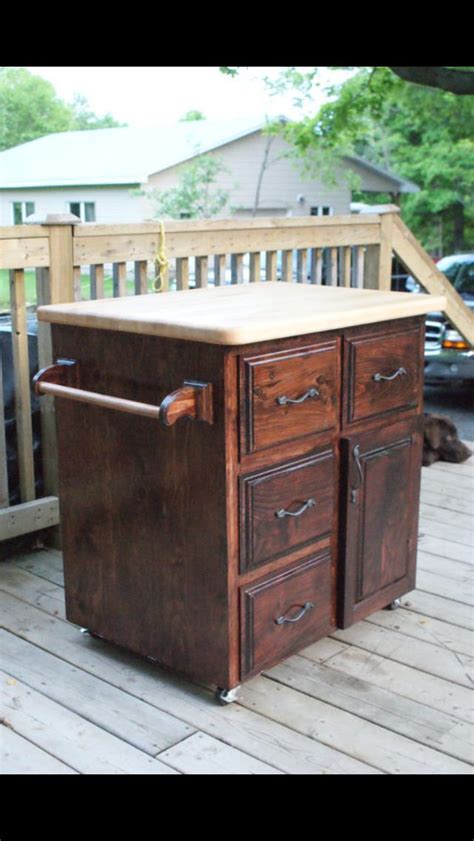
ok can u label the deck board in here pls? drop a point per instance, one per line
(392, 694)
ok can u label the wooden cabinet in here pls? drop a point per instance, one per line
(279, 501)
(286, 506)
(381, 470)
(289, 394)
(282, 613)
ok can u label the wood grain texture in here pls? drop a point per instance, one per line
(307, 374)
(115, 243)
(266, 532)
(157, 532)
(69, 737)
(202, 754)
(383, 707)
(127, 718)
(395, 356)
(382, 697)
(20, 756)
(21, 372)
(144, 547)
(379, 528)
(302, 591)
(4, 496)
(244, 729)
(242, 314)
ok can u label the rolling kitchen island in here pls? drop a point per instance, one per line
(239, 467)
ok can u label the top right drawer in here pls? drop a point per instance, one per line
(383, 369)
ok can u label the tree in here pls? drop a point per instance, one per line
(458, 80)
(83, 119)
(425, 134)
(192, 116)
(195, 196)
(30, 108)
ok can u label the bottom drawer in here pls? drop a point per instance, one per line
(285, 612)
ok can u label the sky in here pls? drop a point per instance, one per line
(144, 96)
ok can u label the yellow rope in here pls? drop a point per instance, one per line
(161, 262)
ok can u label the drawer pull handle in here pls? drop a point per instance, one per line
(360, 472)
(282, 620)
(310, 503)
(381, 378)
(283, 401)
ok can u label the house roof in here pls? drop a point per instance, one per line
(114, 156)
(404, 186)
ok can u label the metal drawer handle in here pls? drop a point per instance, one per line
(310, 503)
(360, 478)
(282, 619)
(283, 401)
(379, 377)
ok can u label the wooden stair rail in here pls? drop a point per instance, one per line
(420, 264)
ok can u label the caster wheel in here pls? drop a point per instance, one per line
(226, 696)
(394, 605)
(84, 631)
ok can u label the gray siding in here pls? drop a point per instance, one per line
(282, 181)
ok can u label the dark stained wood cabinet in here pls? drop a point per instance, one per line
(218, 546)
(379, 523)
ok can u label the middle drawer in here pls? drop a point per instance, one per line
(285, 507)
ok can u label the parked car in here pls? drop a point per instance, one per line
(448, 357)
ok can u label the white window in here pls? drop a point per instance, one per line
(321, 210)
(84, 209)
(21, 210)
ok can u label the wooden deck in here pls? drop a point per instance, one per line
(390, 695)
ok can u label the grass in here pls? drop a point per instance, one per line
(30, 288)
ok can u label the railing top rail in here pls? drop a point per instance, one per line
(90, 229)
(20, 231)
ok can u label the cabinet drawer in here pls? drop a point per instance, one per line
(285, 612)
(384, 373)
(286, 507)
(289, 394)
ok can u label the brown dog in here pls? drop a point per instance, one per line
(441, 442)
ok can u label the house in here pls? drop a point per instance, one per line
(96, 174)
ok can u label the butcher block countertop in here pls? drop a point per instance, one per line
(242, 314)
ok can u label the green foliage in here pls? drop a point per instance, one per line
(195, 196)
(229, 71)
(83, 118)
(422, 133)
(30, 108)
(427, 136)
(192, 116)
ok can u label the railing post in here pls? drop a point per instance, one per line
(3, 445)
(378, 263)
(54, 285)
(386, 247)
(61, 259)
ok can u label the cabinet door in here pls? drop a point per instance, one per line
(381, 480)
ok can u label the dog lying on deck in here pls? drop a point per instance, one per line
(441, 441)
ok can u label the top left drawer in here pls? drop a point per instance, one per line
(288, 394)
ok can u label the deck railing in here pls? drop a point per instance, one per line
(71, 261)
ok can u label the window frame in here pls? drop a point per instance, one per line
(320, 208)
(23, 205)
(82, 204)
